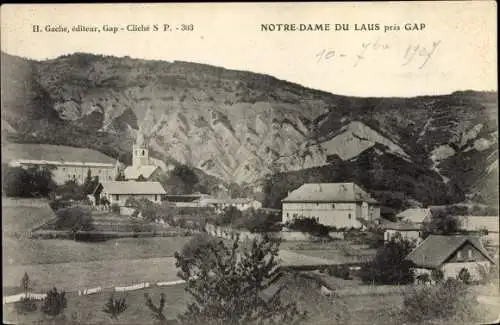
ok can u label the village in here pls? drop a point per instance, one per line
(331, 234)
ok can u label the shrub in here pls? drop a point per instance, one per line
(157, 310)
(115, 208)
(55, 303)
(437, 275)
(464, 276)
(389, 265)
(446, 301)
(342, 272)
(309, 225)
(25, 305)
(114, 307)
(74, 219)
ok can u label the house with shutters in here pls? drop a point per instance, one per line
(451, 254)
(340, 205)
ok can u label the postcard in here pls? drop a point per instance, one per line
(250, 163)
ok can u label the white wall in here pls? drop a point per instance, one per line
(63, 173)
(452, 269)
(330, 214)
(411, 234)
(122, 198)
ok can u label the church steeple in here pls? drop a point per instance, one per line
(140, 152)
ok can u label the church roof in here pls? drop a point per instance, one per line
(131, 187)
(329, 192)
(51, 154)
(133, 172)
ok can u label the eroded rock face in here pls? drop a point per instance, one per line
(238, 126)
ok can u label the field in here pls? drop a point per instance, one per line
(25, 251)
(338, 251)
(20, 215)
(88, 309)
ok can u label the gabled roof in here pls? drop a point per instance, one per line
(133, 172)
(435, 250)
(52, 153)
(329, 192)
(131, 187)
(401, 225)
(415, 215)
(474, 223)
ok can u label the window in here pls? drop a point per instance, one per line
(64, 169)
(349, 215)
(117, 197)
(459, 255)
(470, 254)
(333, 205)
(143, 152)
(156, 197)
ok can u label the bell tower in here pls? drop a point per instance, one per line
(140, 152)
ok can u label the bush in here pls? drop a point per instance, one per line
(342, 272)
(446, 301)
(25, 306)
(465, 276)
(115, 208)
(437, 275)
(30, 182)
(309, 225)
(74, 219)
(114, 307)
(389, 265)
(55, 303)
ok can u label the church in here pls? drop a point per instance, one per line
(142, 168)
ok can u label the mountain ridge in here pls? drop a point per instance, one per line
(235, 125)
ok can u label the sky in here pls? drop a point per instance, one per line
(448, 46)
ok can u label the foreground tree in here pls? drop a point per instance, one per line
(389, 265)
(226, 284)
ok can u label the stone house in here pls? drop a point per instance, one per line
(340, 205)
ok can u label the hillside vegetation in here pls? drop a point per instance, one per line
(240, 126)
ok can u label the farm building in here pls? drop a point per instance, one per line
(141, 165)
(69, 163)
(333, 204)
(193, 200)
(415, 215)
(450, 254)
(241, 204)
(120, 192)
(407, 230)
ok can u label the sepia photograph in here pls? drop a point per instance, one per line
(250, 163)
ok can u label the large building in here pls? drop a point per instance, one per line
(69, 163)
(333, 204)
(119, 192)
(141, 165)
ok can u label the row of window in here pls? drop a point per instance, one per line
(117, 197)
(295, 216)
(469, 254)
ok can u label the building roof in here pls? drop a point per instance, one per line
(131, 187)
(402, 225)
(435, 250)
(47, 153)
(415, 215)
(228, 201)
(329, 192)
(133, 172)
(474, 223)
